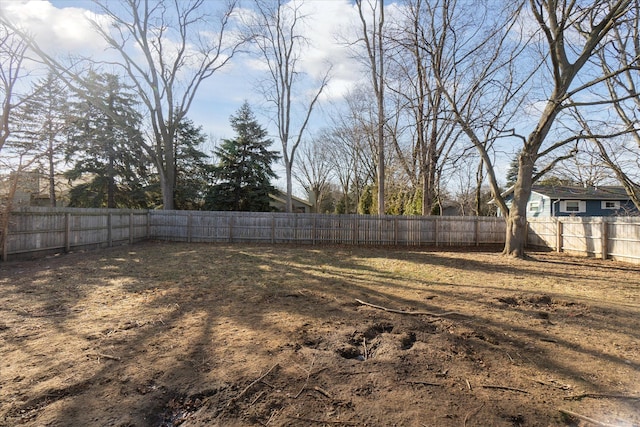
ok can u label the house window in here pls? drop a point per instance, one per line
(610, 204)
(573, 206)
(534, 206)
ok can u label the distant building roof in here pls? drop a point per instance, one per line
(572, 192)
(584, 193)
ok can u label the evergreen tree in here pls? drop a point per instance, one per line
(193, 171)
(243, 171)
(105, 145)
(41, 127)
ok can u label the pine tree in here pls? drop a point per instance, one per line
(244, 170)
(193, 171)
(41, 129)
(105, 145)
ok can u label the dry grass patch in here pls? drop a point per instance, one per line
(161, 334)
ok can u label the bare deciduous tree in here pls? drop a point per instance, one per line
(277, 35)
(571, 35)
(372, 37)
(12, 57)
(167, 49)
(313, 170)
(423, 42)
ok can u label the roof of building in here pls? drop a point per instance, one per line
(569, 192)
(584, 193)
(281, 197)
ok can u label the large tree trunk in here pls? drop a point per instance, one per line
(515, 240)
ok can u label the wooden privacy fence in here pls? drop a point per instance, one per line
(34, 230)
(616, 238)
(199, 226)
(48, 230)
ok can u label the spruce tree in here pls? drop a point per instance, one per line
(105, 147)
(41, 128)
(193, 168)
(244, 171)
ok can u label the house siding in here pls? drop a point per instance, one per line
(594, 208)
(544, 206)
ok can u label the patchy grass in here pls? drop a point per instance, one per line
(161, 334)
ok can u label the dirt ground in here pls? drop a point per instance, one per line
(162, 334)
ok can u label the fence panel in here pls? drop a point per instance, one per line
(35, 230)
(624, 239)
(615, 238)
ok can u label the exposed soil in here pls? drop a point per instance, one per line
(163, 334)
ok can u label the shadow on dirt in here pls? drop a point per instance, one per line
(164, 334)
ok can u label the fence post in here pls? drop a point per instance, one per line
(356, 229)
(110, 229)
(313, 231)
(395, 231)
(148, 236)
(559, 235)
(273, 228)
(189, 225)
(231, 228)
(295, 228)
(131, 228)
(67, 232)
(476, 231)
(435, 230)
(604, 237)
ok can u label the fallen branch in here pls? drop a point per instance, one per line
(411, 313)
(247, 388)
(603, 396)
(583, 418)
(501, 387)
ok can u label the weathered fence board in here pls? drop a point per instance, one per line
(34, 230)
(62, 229)
(615, 238)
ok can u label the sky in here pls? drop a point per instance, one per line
(60, 26)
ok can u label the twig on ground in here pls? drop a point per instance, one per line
(257, 398)
(364, 344)
(306, 381)
(468, 383)
(272, 416)
(246, 389)
(501, 387)
(411, 313)
(583, 418)
(313, 420)
(603, 396)
(105, 356)
(471, 414)
(323, 392)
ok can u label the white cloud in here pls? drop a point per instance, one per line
(55, 29)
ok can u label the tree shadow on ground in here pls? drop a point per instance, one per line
(154, 333)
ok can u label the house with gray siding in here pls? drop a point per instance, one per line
(561, 200)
